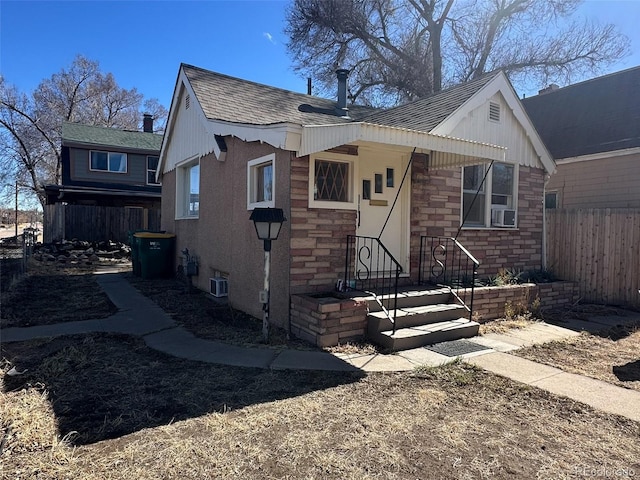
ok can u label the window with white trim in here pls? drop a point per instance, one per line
(152, 168)
(331, 182)
(188, 190)
(261, 182)
(108, 162)
(480, 200)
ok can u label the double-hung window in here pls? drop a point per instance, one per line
(108, 162)
(188, 190)
(152, 168)
(260, 182)
(484, 194)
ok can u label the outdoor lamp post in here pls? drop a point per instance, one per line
(268, 222)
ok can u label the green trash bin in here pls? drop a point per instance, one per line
(155, 254)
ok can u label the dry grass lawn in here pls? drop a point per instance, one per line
(106, 406)
(612, 355)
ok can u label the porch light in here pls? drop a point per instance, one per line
(268, 222)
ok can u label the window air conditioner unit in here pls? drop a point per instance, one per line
(503, 217)
(219, 287)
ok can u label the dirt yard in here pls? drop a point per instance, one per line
(106, 406)
(611, 355)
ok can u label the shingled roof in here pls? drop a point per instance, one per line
(235, 100)
(427, 113)
(90, 135)
(595, 116)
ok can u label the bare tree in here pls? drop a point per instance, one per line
(31, 125)
(398, 50)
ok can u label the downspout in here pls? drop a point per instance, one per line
(544, 221)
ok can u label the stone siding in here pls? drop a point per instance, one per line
(436, 211)
(318, 237)
(489, 302)
(328, 321)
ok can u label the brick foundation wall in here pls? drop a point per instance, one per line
(318, 237)
(489, 302)
(435, 211)
(328, 321)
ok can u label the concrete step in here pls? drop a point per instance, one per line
(414, 297)
(414, 316)
(421, 335)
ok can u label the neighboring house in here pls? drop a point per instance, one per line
(114, 172)
(592, 130)
(395, 175)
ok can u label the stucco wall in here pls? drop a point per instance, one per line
(224, 239)
(435, 211)
(605, 183)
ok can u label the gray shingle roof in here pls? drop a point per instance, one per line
(595, 116)
(75, 133)
(428, 112)
(240, 101)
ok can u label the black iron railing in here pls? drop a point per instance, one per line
(445, 262)
(371, 268)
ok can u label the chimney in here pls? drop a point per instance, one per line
(147, 123)
(551, 88)
(342, 109)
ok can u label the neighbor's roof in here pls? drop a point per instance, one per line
(90, 135)
(235, 100)
(595, 116)
(428, 112)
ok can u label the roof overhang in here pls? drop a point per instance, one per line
(447, 152)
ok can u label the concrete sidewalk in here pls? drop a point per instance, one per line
(138, 315)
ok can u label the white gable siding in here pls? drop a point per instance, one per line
(508, 132)
(189, 137)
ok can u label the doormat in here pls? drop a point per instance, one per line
(455, 348)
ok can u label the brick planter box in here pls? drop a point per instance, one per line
(489, 302)
(327, 320)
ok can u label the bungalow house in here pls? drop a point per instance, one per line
(108, 186)
(371, 197)
(592, 129)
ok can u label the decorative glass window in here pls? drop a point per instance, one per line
(152, 168)
(498, 192)
(108, 162)
(188, 190)
(260, 182)
(331, 181)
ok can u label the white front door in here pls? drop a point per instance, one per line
(381, 175)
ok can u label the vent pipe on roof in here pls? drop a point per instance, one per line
(342, 109)
(147, 123)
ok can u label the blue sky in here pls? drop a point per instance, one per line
(143, 42)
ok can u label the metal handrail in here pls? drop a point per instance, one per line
(448, 263)
(371, 268)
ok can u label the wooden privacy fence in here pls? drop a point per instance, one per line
(95, 224)
(600, 250)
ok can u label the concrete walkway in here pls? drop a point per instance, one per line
(138, 315)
